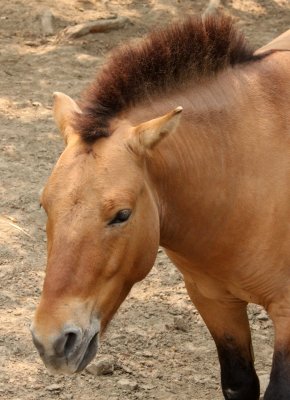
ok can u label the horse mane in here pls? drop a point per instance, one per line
(164, 60)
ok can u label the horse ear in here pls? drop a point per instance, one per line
(150, 133)
(64, 109)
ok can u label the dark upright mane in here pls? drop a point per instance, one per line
(162, 61)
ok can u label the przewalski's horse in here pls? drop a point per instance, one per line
(210, 184)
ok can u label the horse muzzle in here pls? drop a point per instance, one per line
(70, 350)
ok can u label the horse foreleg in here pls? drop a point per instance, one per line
(279, 386)
(228, 324)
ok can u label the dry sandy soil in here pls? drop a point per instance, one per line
(157, 342)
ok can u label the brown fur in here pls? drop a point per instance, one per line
(164, 60)
(211, 184)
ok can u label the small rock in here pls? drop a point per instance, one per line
(126, 369)
(157, 374)
(36, 104)
(31, 43)
(104, 366)
(127, 384)
(262, 316)
(47, 22)
(67, 396)
(180, 324)
(54, 388)
(147, 353)
(147, 387)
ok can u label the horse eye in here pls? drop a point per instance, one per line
(120, 217)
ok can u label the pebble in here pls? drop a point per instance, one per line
(104, 366)
(147, 353)
(46, 19)
(127, 384)
(67, 396)
(54, 388)
(36, 104)
(180, 324)
(147, 387)
(263, 316)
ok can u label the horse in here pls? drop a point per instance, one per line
(181, 141)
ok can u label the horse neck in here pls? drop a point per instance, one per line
(211, 177)
(227, 155)
(195, 172)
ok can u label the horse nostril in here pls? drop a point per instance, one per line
(65, 344)
(70, 342)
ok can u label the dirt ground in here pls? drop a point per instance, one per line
(158, 345)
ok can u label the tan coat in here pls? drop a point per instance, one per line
(208, 181)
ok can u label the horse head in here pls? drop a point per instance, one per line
(102, 233)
